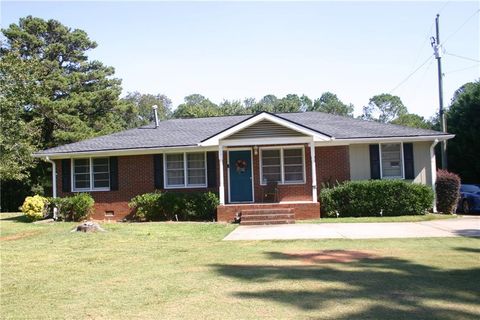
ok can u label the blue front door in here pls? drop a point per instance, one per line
(240, 168)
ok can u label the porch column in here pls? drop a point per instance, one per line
(221, 188)
(433, 173)
(314, 171)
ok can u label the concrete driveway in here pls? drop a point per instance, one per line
(468, 226)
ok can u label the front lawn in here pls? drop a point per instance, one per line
(185, 271)
(415, 218)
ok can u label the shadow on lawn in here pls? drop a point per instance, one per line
(17, 218)
(472, 233)
(399, 289)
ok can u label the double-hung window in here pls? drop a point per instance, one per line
(185, 170)
(91, 174)
(391, 160)
(283, 165)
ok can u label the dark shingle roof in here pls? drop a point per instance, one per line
(190, 132)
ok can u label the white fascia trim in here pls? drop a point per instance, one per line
(340, 142)
(213, 141)
(125, 152)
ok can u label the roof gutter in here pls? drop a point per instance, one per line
(395, 139)
(120, 152)
(214, 147)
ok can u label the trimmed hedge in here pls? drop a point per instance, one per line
(447, 187)
(375, 198)
(74, 208)
(166, 206)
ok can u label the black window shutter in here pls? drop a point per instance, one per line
(408, 159)
(113, 173)
(158, 170)
(374, 161)
(211, 169)
(66, 175)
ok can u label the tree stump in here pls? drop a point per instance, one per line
(88, 226)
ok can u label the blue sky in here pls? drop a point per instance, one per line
(229, 50)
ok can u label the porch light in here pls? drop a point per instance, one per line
(255, 150)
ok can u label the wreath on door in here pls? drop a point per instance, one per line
(241, 166)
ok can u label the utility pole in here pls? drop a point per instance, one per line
(438, 55)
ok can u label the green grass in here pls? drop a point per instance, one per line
(416, 218)
(185, 271)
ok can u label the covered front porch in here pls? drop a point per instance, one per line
(272, 183)
(267, 168)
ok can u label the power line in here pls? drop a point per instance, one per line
(461, 26)
(429, 32)
(421, 82)
(411, 74)
(466, 68)
(443, 7)
(423, 45)
(461, 57)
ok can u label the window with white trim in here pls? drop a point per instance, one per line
(91, 174)
(185, 170)
(284, 165)
(391, 160)
(271, 166)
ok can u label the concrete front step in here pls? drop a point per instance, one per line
(267, 216)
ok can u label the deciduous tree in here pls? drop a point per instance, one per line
(196, 106)
(413, 120)
(330, 103)
(384, 108)
(143, 102)
(233, 108)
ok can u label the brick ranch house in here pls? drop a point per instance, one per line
(238, 157)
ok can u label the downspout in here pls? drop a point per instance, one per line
(54, 184)
(433, 172)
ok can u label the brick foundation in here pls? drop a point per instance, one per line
(303, 211)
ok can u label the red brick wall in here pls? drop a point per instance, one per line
(136, 177)
(287, 192)
(333, 164)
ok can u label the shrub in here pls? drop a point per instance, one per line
(170, 206)
(174, 205)
(376, 197)
(202, 206)
(447, 188)
(327, 204)
(74, 208)
(35, 208)
(146, 206)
